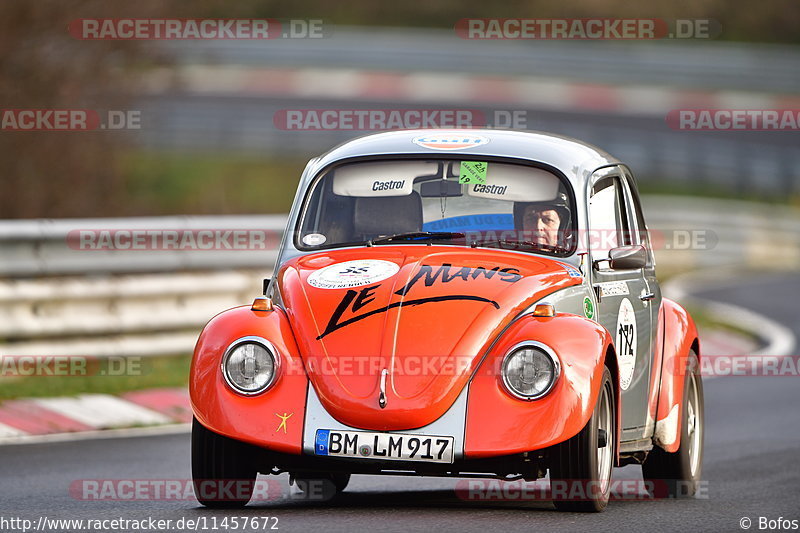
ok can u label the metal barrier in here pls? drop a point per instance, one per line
(53, 247)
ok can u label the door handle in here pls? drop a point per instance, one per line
(645, 297)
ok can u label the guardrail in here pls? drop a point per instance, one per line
(58, 300)
(53, 247)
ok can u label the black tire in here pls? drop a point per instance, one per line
(216, 462)
(322, 486)
(576, 461)
(677, 475)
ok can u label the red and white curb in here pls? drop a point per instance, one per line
(469, 89)
(25, 419)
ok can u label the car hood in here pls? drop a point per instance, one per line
(419, 318)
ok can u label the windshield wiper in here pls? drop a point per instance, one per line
(520, 244)
(417, 236)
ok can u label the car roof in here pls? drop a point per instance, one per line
(575, 159)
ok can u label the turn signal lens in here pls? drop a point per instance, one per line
(262, 304)
(548, 310)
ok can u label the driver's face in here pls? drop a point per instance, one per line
(543, 224)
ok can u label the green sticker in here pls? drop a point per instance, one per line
(473, 172)
(588, 308)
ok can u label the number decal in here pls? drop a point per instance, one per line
(626, 343)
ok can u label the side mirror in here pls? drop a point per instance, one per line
(627, 257)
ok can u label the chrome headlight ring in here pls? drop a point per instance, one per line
(544, 353)
(252, 363)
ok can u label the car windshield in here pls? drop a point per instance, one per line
(458, 202)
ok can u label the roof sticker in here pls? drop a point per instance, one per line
(453, 141)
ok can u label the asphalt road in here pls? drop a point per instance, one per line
(751, 470)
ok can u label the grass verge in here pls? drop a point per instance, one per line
(209, 184)
(107, 376)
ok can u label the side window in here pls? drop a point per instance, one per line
(608, 217)
(639, 233)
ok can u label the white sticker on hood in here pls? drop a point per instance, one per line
(352, 274)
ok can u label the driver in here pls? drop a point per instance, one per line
(546, 222)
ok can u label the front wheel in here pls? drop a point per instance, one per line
(678, 474)
(223, 469)
(580, 471)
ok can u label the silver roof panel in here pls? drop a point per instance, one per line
(575, 159)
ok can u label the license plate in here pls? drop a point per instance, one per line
(386, 446)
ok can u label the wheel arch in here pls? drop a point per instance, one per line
(680, 340)
(613, 367)
(582, 346)
(254, 419)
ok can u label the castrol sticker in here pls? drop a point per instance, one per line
(626, 343)
(352, 274)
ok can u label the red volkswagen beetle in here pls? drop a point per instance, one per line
(453, 302)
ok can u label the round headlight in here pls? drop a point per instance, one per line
(530, 370)
(249, 366)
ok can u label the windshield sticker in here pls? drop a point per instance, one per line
(588, 308)
(516, 183)
(492, 190)
(473, 172)
(449, 142)
(352, 274)
(626, 343)
(390, 185)
(380, 178)
(501, 221)
(314, 239)
(613, 288)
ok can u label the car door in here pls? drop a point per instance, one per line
(624, 307)
(651, 293)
